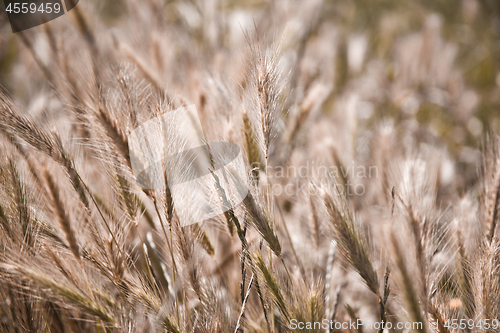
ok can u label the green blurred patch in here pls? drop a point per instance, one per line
(430, 112)
(111, 11)
(8, 55)
(440, 119)
(243, 4)
(483, 74)
(489, 115)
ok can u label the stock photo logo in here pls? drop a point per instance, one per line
(171, 150)
(26, 14)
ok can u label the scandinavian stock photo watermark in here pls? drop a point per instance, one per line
(355, 325)
(171, 150)
(349, 177)
(362, 325)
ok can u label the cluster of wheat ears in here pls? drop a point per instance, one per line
(83, 248)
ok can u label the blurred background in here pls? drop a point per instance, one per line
(428, 67)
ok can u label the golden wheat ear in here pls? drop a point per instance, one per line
(63, 216)
(351, 243)
(491, 183)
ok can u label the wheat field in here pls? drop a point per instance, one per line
(369, 157)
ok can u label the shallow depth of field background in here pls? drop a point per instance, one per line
(431, 67)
